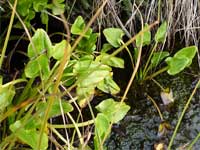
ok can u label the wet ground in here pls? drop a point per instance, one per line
(139, 129)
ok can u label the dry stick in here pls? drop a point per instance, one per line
(64, 61)
(8, 34)
(156, 106)
(182, 114)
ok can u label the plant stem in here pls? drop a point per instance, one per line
(81, 139)
(82, 124)
(14, 82)
(156, 73)
(194, 141)
(153, 101)
(58, 135)
(8, 34)
(129, 53)
(159, 85)
(145, 71)
(182, 114)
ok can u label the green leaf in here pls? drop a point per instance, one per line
(188, 52)
(40, 44)
(158, 57)
(44, 18)
(90, 72)
(78, 27)
(108, 85)
(43, 62)
(145, 39)
(58, 7)
(30, 137)
(59, 50)
(88, 44)
(115, 111)
(56, 108)
(32, 69)
(106, 47)
(102, 128)
(85, 94)
(37, 66)
(23, 7)
(111, 60)
(181, 60)
(113, 36)
(161, 32)
(176, 65)
(39, 5)
(7, 94)
(68, 77)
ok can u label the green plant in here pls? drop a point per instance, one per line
(27, 9)
(85, 72)
(177, 63)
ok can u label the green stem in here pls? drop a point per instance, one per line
(129, 53)
(8, 34)
(61, 126)
(59, 135)
(77, 129)
(145, 71)
(156, 73)
(194, 141)
(182, 114)
(14, 82)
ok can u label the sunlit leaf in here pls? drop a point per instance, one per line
(58, 7)
(108, 85)
(188, 52)
(79, 26)
(58, 50)
(40, 44)
(32, 69)
(6, 96)
(106, 47)
(181, 60)
(37, 66)
(30, 137)
(115, 111)
(161, 32)
(90, 72)
(85, 94)
(113, 36)
(111, 60)
(176, 65)
(145, 39)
